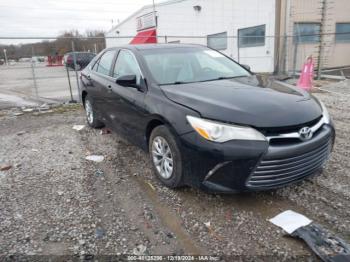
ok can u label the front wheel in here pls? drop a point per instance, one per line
(91, 117)
(166, 157)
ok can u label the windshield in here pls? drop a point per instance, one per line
(188, 65)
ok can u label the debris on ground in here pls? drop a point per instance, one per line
(99, 232)
(139, 250)
(211, 231)
(20, 133)
(320, 241)
(105, 131)
(95, 158)
(5, 167)
(327, 246)
(99, 172)
(78, 127)
(290, 221)
(207, 224)
(27, 110)
(150, 185)
(44, 107)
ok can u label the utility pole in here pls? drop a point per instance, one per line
(155, 19)
(286, 32)
(322, 38)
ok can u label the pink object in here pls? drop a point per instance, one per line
(307, 75)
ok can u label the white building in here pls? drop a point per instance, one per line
(201, 18)
(244, 30)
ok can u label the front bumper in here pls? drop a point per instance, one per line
(238, 166)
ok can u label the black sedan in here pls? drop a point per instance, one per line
(82, 59)
(206, 120)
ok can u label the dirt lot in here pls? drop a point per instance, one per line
(54, 202)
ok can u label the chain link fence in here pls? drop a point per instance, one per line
(45, 71)
(48, 70)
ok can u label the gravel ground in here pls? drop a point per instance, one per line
(54, 202)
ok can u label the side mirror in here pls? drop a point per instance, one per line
(246, 67)
(127, 81)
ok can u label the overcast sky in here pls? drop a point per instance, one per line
(26, 18)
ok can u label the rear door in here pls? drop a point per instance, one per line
(99, 81)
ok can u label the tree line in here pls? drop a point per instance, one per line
(92, 40)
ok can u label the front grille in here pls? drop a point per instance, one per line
(277, 172)
(268, 131)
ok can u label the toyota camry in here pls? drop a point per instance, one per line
(206, 120)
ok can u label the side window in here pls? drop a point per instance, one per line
(103, 65)
(126, 64)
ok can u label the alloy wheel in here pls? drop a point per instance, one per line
(162, 157)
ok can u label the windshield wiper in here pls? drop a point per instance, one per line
(176, 83)
(222, 78)
(215, 79)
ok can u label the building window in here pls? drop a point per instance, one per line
(342, 31)
(217, 41)
(251, 36)
(307, 32)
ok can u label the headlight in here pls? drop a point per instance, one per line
(219, 132)
(326, 116)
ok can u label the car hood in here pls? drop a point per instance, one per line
(252, 101)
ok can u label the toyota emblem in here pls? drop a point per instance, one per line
(305, 133)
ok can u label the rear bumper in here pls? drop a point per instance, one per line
(237, 166)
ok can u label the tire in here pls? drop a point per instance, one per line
(175, 178)
(91, 117)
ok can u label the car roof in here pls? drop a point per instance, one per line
(156, 46)
(80, 52)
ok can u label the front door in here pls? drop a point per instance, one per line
(127, 103)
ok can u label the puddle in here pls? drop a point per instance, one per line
(15, 100)
(170, 220)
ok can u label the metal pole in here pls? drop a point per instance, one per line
(295, 58)
(6, 62)
(321, 47)
(70, 88)
(75, 69)
(154, 17)
(34, 80)
(95, 46)
(238, 54)
(33, 73)
(154, 13)
(286, 39)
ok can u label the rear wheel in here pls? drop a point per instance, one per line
(91, 117)
(166, 157)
